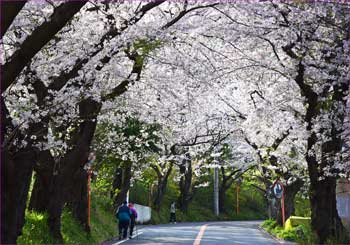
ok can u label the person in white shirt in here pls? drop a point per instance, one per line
(172, 213)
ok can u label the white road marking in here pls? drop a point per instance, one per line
(200, 235)
(117, 243)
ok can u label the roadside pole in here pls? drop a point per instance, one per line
(238, 188)
(237, 199)
(150, 195)
(282, 204)
(89, 195)
(216, 180)
(216, 191)
(88, 168)
(278, 190)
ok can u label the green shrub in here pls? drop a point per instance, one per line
(35, 230)
(300, 234)
(269, 224)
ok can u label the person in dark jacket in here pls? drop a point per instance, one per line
(132, 219)
(123, 216)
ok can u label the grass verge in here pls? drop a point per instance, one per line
(103, 227)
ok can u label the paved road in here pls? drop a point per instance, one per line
(235, 232)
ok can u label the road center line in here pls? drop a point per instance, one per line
(200, 235)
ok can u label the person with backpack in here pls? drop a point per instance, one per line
(123, 215)
(132, 219)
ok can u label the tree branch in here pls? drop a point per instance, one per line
(37, 40)
(259, 188)
(9, 11)
(183, 13)
(280, 139)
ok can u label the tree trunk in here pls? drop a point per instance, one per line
(289, 197)
(161, 188)
(37, 40)
(225, 183)
(63, 181)
(9, 11)
(124, 184)
(222, 197)
(117, 181)
(16, 172)
(185, 185)
(79, 203)
(55, 207)
(40, 194)
(325, 219)
(41, 190)
(63, 184)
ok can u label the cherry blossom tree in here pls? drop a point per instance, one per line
(57, 87)
(307, 54)
(204, 72)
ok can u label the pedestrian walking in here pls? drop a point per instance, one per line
(123, 215)
(172, 213)
(132, 219)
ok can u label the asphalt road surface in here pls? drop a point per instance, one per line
(233, 232)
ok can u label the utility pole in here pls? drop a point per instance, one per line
(216, 182)
(239, 182)
(216, 191)
(237, 199)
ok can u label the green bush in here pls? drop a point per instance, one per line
(35, 230)
(300, 234)
(269, 224)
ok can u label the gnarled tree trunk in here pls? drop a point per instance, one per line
(16, 171)
(325, 220)
(289, 197)
(186, 193)
(225, 184)
(63, 181)
(79, 198)
(121, 181)
(162, 184)
(41, 189)
(222, 197)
